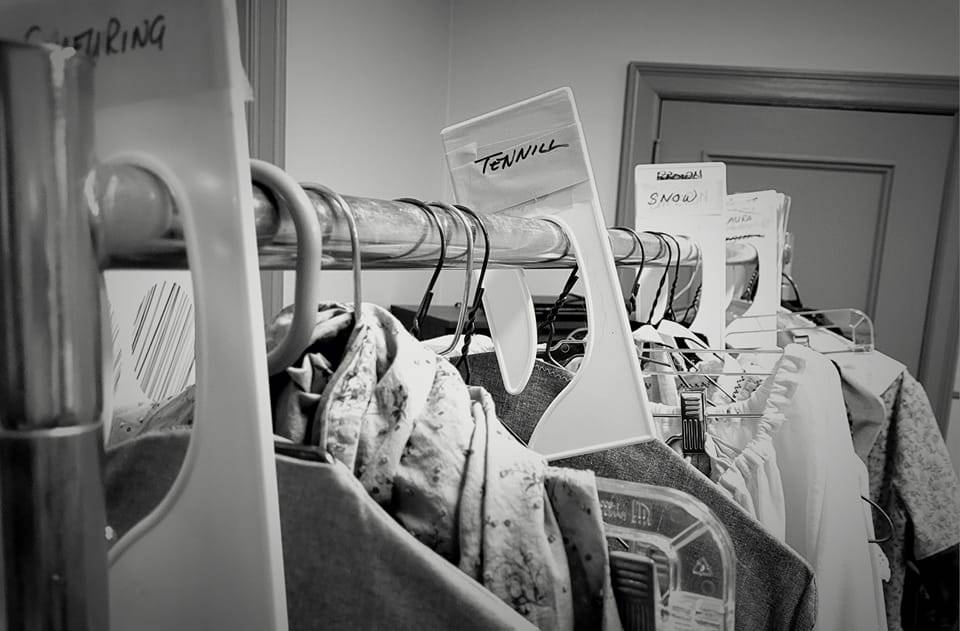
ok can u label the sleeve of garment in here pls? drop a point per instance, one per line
(923, 473)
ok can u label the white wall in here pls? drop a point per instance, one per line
(371, 82)
(366, 99)
(506, 50)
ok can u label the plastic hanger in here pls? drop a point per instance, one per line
(464, 303)
(345, 209)
(470, 327)
(210, 555)
(309, 258)
(559, 184)
(427, 299)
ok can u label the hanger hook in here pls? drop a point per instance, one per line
(428, 294)
(468, 276)
(478, 293)
(671, 291)
(551, 317)
(635, 288)
(676, 276)
(663, 277)
(345, 209)
(886, 518)
(309, 244)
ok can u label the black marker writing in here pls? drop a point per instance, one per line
(501, 160)
(113, 39)
(676, 175)
(659, 199)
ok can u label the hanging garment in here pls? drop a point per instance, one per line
(912, 478)
(347, 564)
(433, 454)
(865, 413)
(775, 587)
(824, 513)
(478, 344)
(743, 460)
(132, 421)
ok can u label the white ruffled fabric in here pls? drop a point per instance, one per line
(741, 450)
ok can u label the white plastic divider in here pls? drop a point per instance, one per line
(530, 159)
(169, 94)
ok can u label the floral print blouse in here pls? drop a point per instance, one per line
(431, 451)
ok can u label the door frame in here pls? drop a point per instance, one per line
(263, 48)
(649, 84)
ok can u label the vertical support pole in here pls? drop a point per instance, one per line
(52, 517)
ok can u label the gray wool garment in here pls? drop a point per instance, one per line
(776, 588)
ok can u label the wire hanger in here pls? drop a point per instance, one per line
(663, 277)
(477, 296)
(668, 313)
(549, 322)
(424, 307)
(347, 211)
(464, 304)
(635, 287)
(309, 248)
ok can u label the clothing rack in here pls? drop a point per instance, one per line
(393, 234)
(59, 229)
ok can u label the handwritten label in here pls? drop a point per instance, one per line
(698, 187)
(505, 160)
(114, 38)
(512, 173)
(144, 50)
(738, 218)
(692, 174)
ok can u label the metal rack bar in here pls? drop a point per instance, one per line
(53, 518)
(394, 235)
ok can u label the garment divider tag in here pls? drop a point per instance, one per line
(168, 96)
(688, 200)
(143, 49)
(752, 221)
(530, 159)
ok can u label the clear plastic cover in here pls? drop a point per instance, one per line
(696, 564)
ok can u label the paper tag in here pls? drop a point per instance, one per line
(688, 200)
(143, 49)
(692, 612)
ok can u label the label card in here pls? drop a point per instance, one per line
(498, 171)
(688, 200)
(752, 221)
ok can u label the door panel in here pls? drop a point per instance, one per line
(866, 191)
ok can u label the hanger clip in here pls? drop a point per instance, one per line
(693, 427)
